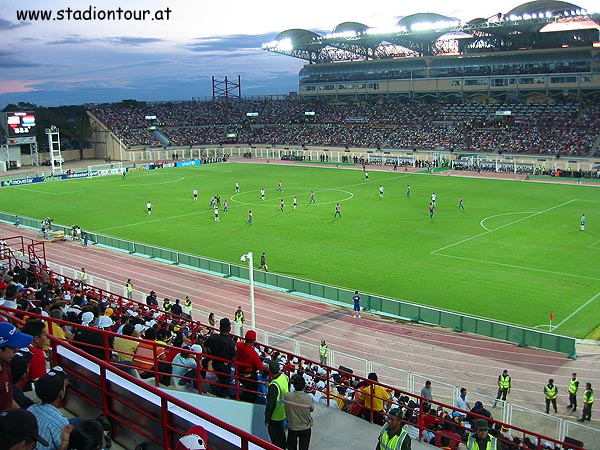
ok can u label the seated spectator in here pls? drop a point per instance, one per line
(87, 435)
(19, 430)
(195, 439)
(124, 347)
(410, 422)
(19, 367)
(51, 390)
(184, 368)
(11, 339)
(376, 396)
(37, 367)
(357, 405)
(478, 409)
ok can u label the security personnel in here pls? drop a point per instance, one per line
(573, 388)
(129, 289)
(167, 305)
(275, 410)
(480, 439)
(187, 307)
(323, 352)
(239, 319)
(588, 401)
(83, 276)
(504, 383)
(392, 436)
(550, 391)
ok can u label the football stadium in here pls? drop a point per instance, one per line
(426, 203)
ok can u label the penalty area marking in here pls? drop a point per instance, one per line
(500, 215)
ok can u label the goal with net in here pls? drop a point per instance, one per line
(100, 170)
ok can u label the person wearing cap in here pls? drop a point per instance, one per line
(19, 367)
(11, 340)
(550, 392)
(392, 435)
(504, 384)
(223, 347)
(248, 364)
(51, 390)
(19, 430)
(275, 410)
(480, 438)
(195, 439)
(151, 299)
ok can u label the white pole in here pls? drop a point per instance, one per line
(251, 279)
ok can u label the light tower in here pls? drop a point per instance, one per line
(56, 159)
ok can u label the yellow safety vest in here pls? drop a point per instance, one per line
(492, 444)
(239, 317)
(550, 392)
(323, 350)
(504, 381)
(573, 386)
(129, 288)
(391, 443)
(588, 396)
(282, 388)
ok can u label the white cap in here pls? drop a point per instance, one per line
(87, 318)
(105, 322)
(139, 327)
(196, 348)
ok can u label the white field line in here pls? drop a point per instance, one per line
(566, 319)
(502, 226)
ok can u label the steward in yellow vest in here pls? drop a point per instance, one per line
(392, 436)
(275, 409)
(550, 391)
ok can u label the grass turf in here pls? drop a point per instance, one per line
(514, 254)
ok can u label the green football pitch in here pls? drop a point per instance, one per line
(514, 254)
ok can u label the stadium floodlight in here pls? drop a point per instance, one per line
(386, 30)
(548, 14)
(527, 16)
(285, 45)
(243, 258)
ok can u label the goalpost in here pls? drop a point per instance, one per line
(99, 170)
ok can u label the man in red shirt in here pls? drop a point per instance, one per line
(248, 364)
(37, 366)
(11, 340)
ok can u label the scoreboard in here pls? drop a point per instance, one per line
(20, 124)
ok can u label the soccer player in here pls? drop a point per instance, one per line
(366, 176)
(356, 300)
(216, 214)
(338, 211)
(312, 197)
(460, 203)
(281, 205)
(582, 223)
(433, 198)
(226, 207)
(431, 209)
(263, 262)
(381, 191)
(124, 174)
(408, 190)
(262, 193)
(295, 202)
(195, 194)
(250, 217)
(149, 207)
(279, 186)
(237, 187)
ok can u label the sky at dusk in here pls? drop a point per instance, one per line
(61, 62)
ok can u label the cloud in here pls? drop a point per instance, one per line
(8, 25)
(8, 60)
(229, 43)
(117, 40)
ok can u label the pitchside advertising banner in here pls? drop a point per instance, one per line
(69, 176)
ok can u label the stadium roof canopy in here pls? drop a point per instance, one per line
(429, 34)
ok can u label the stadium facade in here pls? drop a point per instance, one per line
(541, 51)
